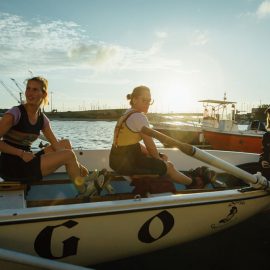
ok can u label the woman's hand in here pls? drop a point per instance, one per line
(163, 156)
(27, 156)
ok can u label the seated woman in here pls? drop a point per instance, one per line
(128, 156)
(20, 127)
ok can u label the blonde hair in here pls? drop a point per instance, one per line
(44, 86)
(137, 91)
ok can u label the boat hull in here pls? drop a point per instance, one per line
(91, 233)
(234, 141)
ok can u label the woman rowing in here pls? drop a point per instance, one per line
(129, 157)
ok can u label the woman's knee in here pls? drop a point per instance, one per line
(65, 155)
(70, 153)
(65, 143)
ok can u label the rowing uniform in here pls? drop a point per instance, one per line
(126, 156)
(21, 135)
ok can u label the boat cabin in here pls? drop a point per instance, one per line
(219, 114)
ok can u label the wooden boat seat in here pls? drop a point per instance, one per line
(11, 186)
(108, 197)
(62, 178)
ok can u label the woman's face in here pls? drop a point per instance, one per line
(34, 93)
(142, 103)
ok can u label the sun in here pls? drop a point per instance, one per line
(173, 96)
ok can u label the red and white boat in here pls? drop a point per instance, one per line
(218, 129)
(222, 132)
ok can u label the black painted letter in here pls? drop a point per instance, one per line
(167, 221)
(43, 242)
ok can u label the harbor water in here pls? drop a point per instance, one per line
(245, 246)
(85, 134)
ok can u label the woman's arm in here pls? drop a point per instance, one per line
(150, 146)
(49, 135)
(6, 122)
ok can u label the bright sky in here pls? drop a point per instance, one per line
(94, 52)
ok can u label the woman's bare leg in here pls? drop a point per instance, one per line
(51, 161)
(176, 175)
(65, 144)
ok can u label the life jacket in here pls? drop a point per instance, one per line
(23, 134)
(123, 135)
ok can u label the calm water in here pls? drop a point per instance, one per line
(85, 134)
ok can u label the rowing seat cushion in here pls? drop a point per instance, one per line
(148, 184)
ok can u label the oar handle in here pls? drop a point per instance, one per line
(184, 147)
(256, 180)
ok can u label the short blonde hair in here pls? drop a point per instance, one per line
(44, 86)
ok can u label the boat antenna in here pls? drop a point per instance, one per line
(10, 92)
(31, 73)
(21, 91)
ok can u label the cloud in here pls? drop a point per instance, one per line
(53, 45)
(34, 43)
(263, 10)
(94, 54)
(161, 34)
(199, 38)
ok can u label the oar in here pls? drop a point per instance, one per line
(20, 258)
(256, 180)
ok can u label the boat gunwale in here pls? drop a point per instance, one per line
(60, 212)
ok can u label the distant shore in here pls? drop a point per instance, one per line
(114, 114)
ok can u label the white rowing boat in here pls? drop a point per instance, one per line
(49, 222)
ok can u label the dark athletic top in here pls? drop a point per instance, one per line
(23, 133)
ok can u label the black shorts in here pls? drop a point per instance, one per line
(129, 160)
(13, 168)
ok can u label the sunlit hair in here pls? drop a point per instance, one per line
(44, 86)
(137, 91)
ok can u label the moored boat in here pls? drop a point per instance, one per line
(187, 132)
(222, 132)
(50, 222)
(234, 141)
(218, 129)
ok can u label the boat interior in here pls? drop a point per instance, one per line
(58, 189)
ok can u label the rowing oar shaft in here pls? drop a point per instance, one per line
(19, 258)
(206, 157)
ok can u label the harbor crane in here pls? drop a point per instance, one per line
(11, 93)
(21, 91)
